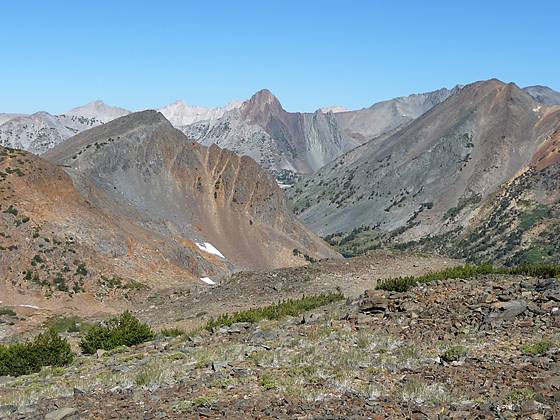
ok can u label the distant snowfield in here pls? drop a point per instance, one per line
(211, 249)
(208, 280)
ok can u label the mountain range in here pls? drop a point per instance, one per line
(287, 144)
(437, 179)
(417, 171)
(133, 204)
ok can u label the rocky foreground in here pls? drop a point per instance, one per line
(478, 348)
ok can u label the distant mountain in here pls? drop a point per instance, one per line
(281, 141)
(543, 94)
(133, 204)
(41, 131)
(434, 175)
(181, 114)
(7, 117)
(387, 116)
(334, 109)
(98, 110)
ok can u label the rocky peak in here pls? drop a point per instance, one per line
(261, 105)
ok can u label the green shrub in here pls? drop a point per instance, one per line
(47, 349)
(537, 348)
(454, 353)
(402, 284)
(7, 311)
(125, 330)
(81, 270)
(11, 210)
(290, 307)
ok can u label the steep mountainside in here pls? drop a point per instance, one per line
(98, 110)
(434, 175)
(384, 117)
(133, 204)
(520, 223)
(543, 94)
(277, 139)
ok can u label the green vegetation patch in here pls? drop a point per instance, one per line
(455, 353)
(531, 217)
(402, 284)
(125, 330)
(359, 241)
(7, 312)
(537, 348)
(69, 324)
(47, 349)
(290, 307)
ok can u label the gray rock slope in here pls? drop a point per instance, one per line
(384, 117)
(42, 131)
(431, 175)
(275, 138)
(147, 175)
(543, 94)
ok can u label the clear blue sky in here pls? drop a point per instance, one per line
(144, 54)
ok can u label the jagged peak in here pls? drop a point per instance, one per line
(264, 98)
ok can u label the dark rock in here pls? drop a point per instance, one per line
(373, 301)
(548, 284)
(509, 310)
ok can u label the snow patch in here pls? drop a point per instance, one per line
(211, 249)
(537, 109)
(208, 280)
(30, 306)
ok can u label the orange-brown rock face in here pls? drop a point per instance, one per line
(134, 201)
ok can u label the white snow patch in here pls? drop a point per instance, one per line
(207, 280)
(30, 306)
(537, 109)
(211, 249)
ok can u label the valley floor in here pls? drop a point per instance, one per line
(479, 348)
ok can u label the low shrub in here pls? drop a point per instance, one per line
(537, 348)
(125, 330)
(454, 353)
(290, 307)
(47, 349)
(402, 284)
(7, 312)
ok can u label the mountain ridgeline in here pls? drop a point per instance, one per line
(278, 140)
(134, 202)
(424, 171)
(434, 182)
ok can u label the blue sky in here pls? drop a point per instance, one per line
(144, 54)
